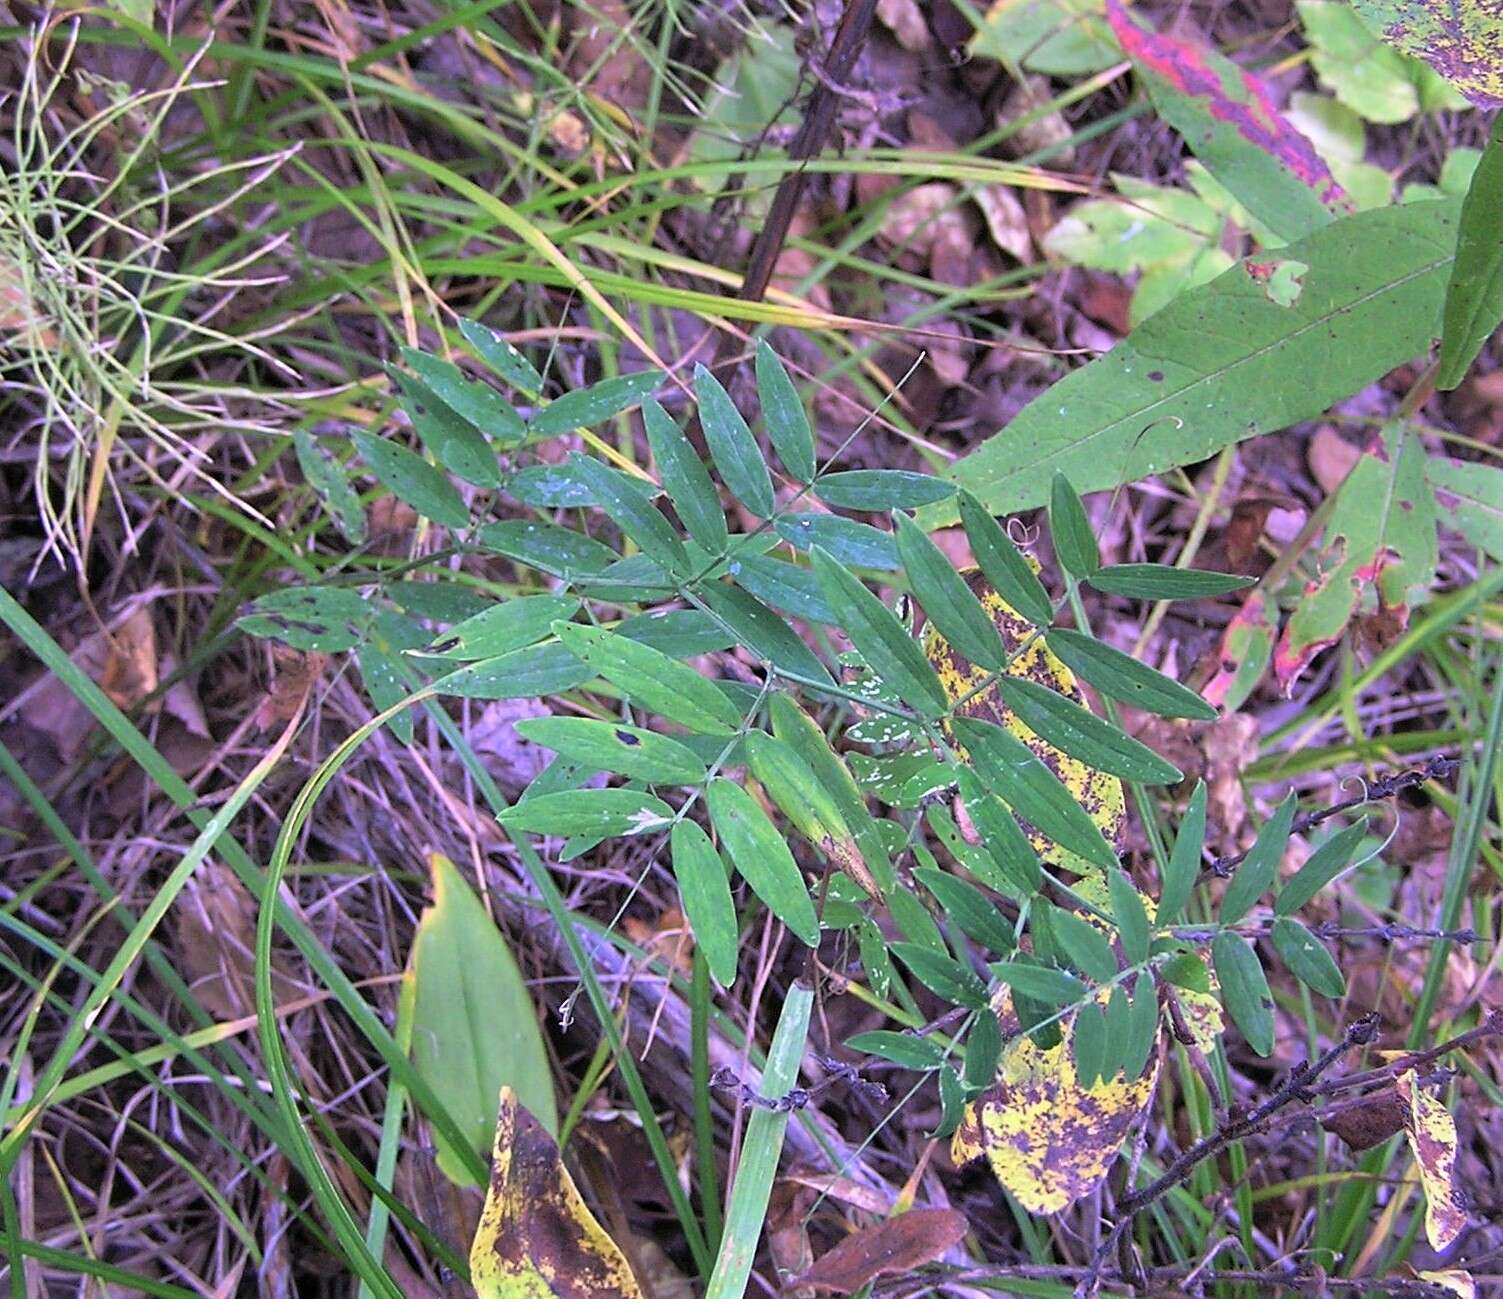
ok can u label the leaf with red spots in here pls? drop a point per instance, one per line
(1380, 540)
(1432, 1138)
(1460, 39)
(1228, 117)
(1246, 646)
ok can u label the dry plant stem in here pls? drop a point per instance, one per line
(1165, 1281)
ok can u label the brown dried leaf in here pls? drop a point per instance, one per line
(1369, 1121)
(893, 1246)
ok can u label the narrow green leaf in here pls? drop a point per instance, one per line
(477, 405)
(331, 480)
(1256, 874)
(1323, 865)
(783, 415)
(732, 446)
(1131, 918)
(386, 684)
(876, 961)
(1244, 989)
(947, 601)
(1474, 296)
(589, 811)
(1074, 541)
(705, 891)
(790, 588)
(1090, 1045)
(793, 788)
(325, 619)
(1307, 958)
(585, 407)
(899, 1048)
(881, 639)
(412, 480)
(1143, 1028)
(629, 504)
(613, 746)
(912, 918)
(652, 679)
(952, 1098)
(678, 633)
(761, 855)
(1122, 677)
(1020, 778)
(858, 544)
(880, 490)
(1003, 564)
(502, 357)
(943, 976)
(1188, 971)
(1165, 582)
(1118, 1015)
(763, 632)
(685, 479)
(1005, 843)
(505, 626)
(983, 1052)
(1040, 982)
(532, 673)
(970, 909)
(1083, 945)
(551, 487)
(1080, 733)
(559, 552)
(1184, 860)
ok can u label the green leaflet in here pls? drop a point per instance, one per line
(685, 479)
(1307, 958)
(325, 619)
(502, 357)
(788, 587)
(613, 746)
(1242, 364)
(761, 855)
(783, 414)
(732, 446)
(476, 405)
(976, 915)
(946, 599)
(1165, 582)
(1083, 945)
(559, 552)
(880, 490)
(1040, 982)
(1080, 733)
(508, 625)
(1256, 874)
(1323, 865)
(1184, 859)
(1003, 565)
(705, 891)
(1122, 677)
(900, 1048)
(983, 1052)
(1017, 864)
(858, 544)
(585, 407)
(1091, 1045)
(942, 975)
(1244, 989)
(412, 480)
(763, 632)
(535, 672)
(1074, 542)
(1474, 296)
(1131, 918)
(629, 504)
(589, 812)
(331, 480)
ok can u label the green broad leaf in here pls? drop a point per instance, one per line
(1165, 582)
(797, 729)
(386, 684)
(475, 1024)
(1244, 990)
(1058, 38)
(613, 746)
(858, 544)
(1074, 541)
(678, 633)
(1460, 39)
(794, 789)
(902, 1049)
(790, 588)
(1083, 946)
(685, 479)
(651, 679)
(559, 552)
(629, 504)
(783, 415)
(1474, 296)
(1021, 779)
(942, 975)
(1469, 498)
(881, 490)
(880, 638)
(732, 446)
(1142, 1027)
(1122, 677)
(1091, 1046)
(1131, 918)
(323, 619)
(947, 601)
(983, 1052)
(763, 632)
(477, 405)
(1040, 983)
(1017, 864)
(876, 961)
(585, 407)
(502, 357)
(952, 1099)
(551, 487)
(1080, 733)
(1184, 859)
(1188, 971)
(1366, 75)
(913, 919)
(1323, 865)
(506, 626)
(599, 812)
(760, 853)
(1244, 362)
(438, 601)
(975, 914)
(704, 890)
(412, 480)
(1256, 874)
(1307, 958)
(535, 672)
(331, 481)
(1003, 564)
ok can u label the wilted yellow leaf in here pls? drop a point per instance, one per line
(1455, 1279)
(1096, 791)
(537, 1239)
(1432, 1137)
(1048, 1139)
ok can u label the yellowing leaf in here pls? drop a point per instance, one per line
(1048, 1139)
(1029, 659)
(536, 1238)
(1455, 1279)
(1432, 1138)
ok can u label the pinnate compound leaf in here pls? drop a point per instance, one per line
(1228, 117)
(1074, 541)
(783, 415)
(1184, 858)
(1432, 1138)
(1474, 296)
(537, 1239)
(475, 1025)
(1460, 39)
(1123, 678)
(893, 1246)
(585, 407)
(1165, 582)
(1244, 989)
(1012, 577)
(685, 479)
(946, 598)
(412, 480)
(1256, 874)
(1369, 301)
(732, 446)
(705, 891)
(761, 856)
(1307, 958)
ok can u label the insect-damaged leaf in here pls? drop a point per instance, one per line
(614, 746)
(894, 1246)
(1380, 538)
(537, 1239)
(1246, 646)
(1228, 117)
(1048, 1138)
(1460, 39)
(1432, 1138)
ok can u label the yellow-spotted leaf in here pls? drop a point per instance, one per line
(1048, 1138)
(1030, 659)
(1457, 1280)
(537, 1239)
(1432, 1138)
